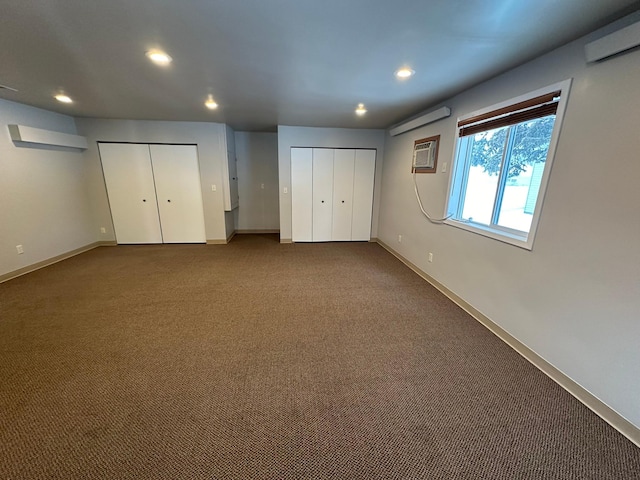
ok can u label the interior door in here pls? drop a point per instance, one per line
(129, 180)
(364, 177)
(343, 165)
(302, 194)
(322, 194)
(177, 179)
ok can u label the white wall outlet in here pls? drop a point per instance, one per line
(20, 249)
(214, 188)
(430, 257)
(103, 230)
(285, 190)
(399, 238)
(262, 186)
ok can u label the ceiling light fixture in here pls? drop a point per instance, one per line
(361, 110)
(404, 72)
(159, 57)
(210, 103)
(61, 97)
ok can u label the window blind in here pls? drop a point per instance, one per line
(537, 107)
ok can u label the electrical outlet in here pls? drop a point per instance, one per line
(214, 188)
(20, 249)
(399, 238)
(103, 230)
(262, 186)
(430, 257)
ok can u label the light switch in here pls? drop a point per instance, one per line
(213, 188)
(444, 167)
(286, 190)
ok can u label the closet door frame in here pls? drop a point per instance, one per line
(363, 186)
(322, 189)
(128, 176)
(343, 178)
(176, 173)
(301, 194)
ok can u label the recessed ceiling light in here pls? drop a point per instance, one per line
(210, 103)
(361, 110)
(159, 57)
(404, 72)
(63, 98)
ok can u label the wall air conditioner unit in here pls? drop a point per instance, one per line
(425, 155)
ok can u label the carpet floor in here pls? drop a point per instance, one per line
(256, 360)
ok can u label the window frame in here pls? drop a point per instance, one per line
(457, 188)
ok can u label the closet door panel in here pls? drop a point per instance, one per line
(177, 178)
(343, 166)
(322, 194)
(364, 177)
(302, 194)
(129, 180)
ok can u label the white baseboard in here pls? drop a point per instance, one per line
(50, 261)
(609, 415)
(257, 231)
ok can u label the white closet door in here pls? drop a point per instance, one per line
(132, 197)
(301, 194)
(177, 178)
(343, 165)
(322, 194)
(365, 167)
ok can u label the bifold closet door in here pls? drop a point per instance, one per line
(322, 194)
(177, 180)
(364, 177)
(301, 194)
(343, 167)
(129, 180)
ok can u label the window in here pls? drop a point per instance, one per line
(502, 163)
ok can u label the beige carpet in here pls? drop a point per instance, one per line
(257, 360)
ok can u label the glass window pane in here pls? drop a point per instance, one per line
(525, 169)
(487, 150)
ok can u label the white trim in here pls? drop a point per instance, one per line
(526, 241)
(50, 261)
(593, 403)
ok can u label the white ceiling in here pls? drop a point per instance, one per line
(270, 62)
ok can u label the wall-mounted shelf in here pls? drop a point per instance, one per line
(20, 133)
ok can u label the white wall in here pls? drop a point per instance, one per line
(42, 192)
(575, 298)
(329, 138)
(209, 137)
(257, 181)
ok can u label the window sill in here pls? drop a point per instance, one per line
(522, 241)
